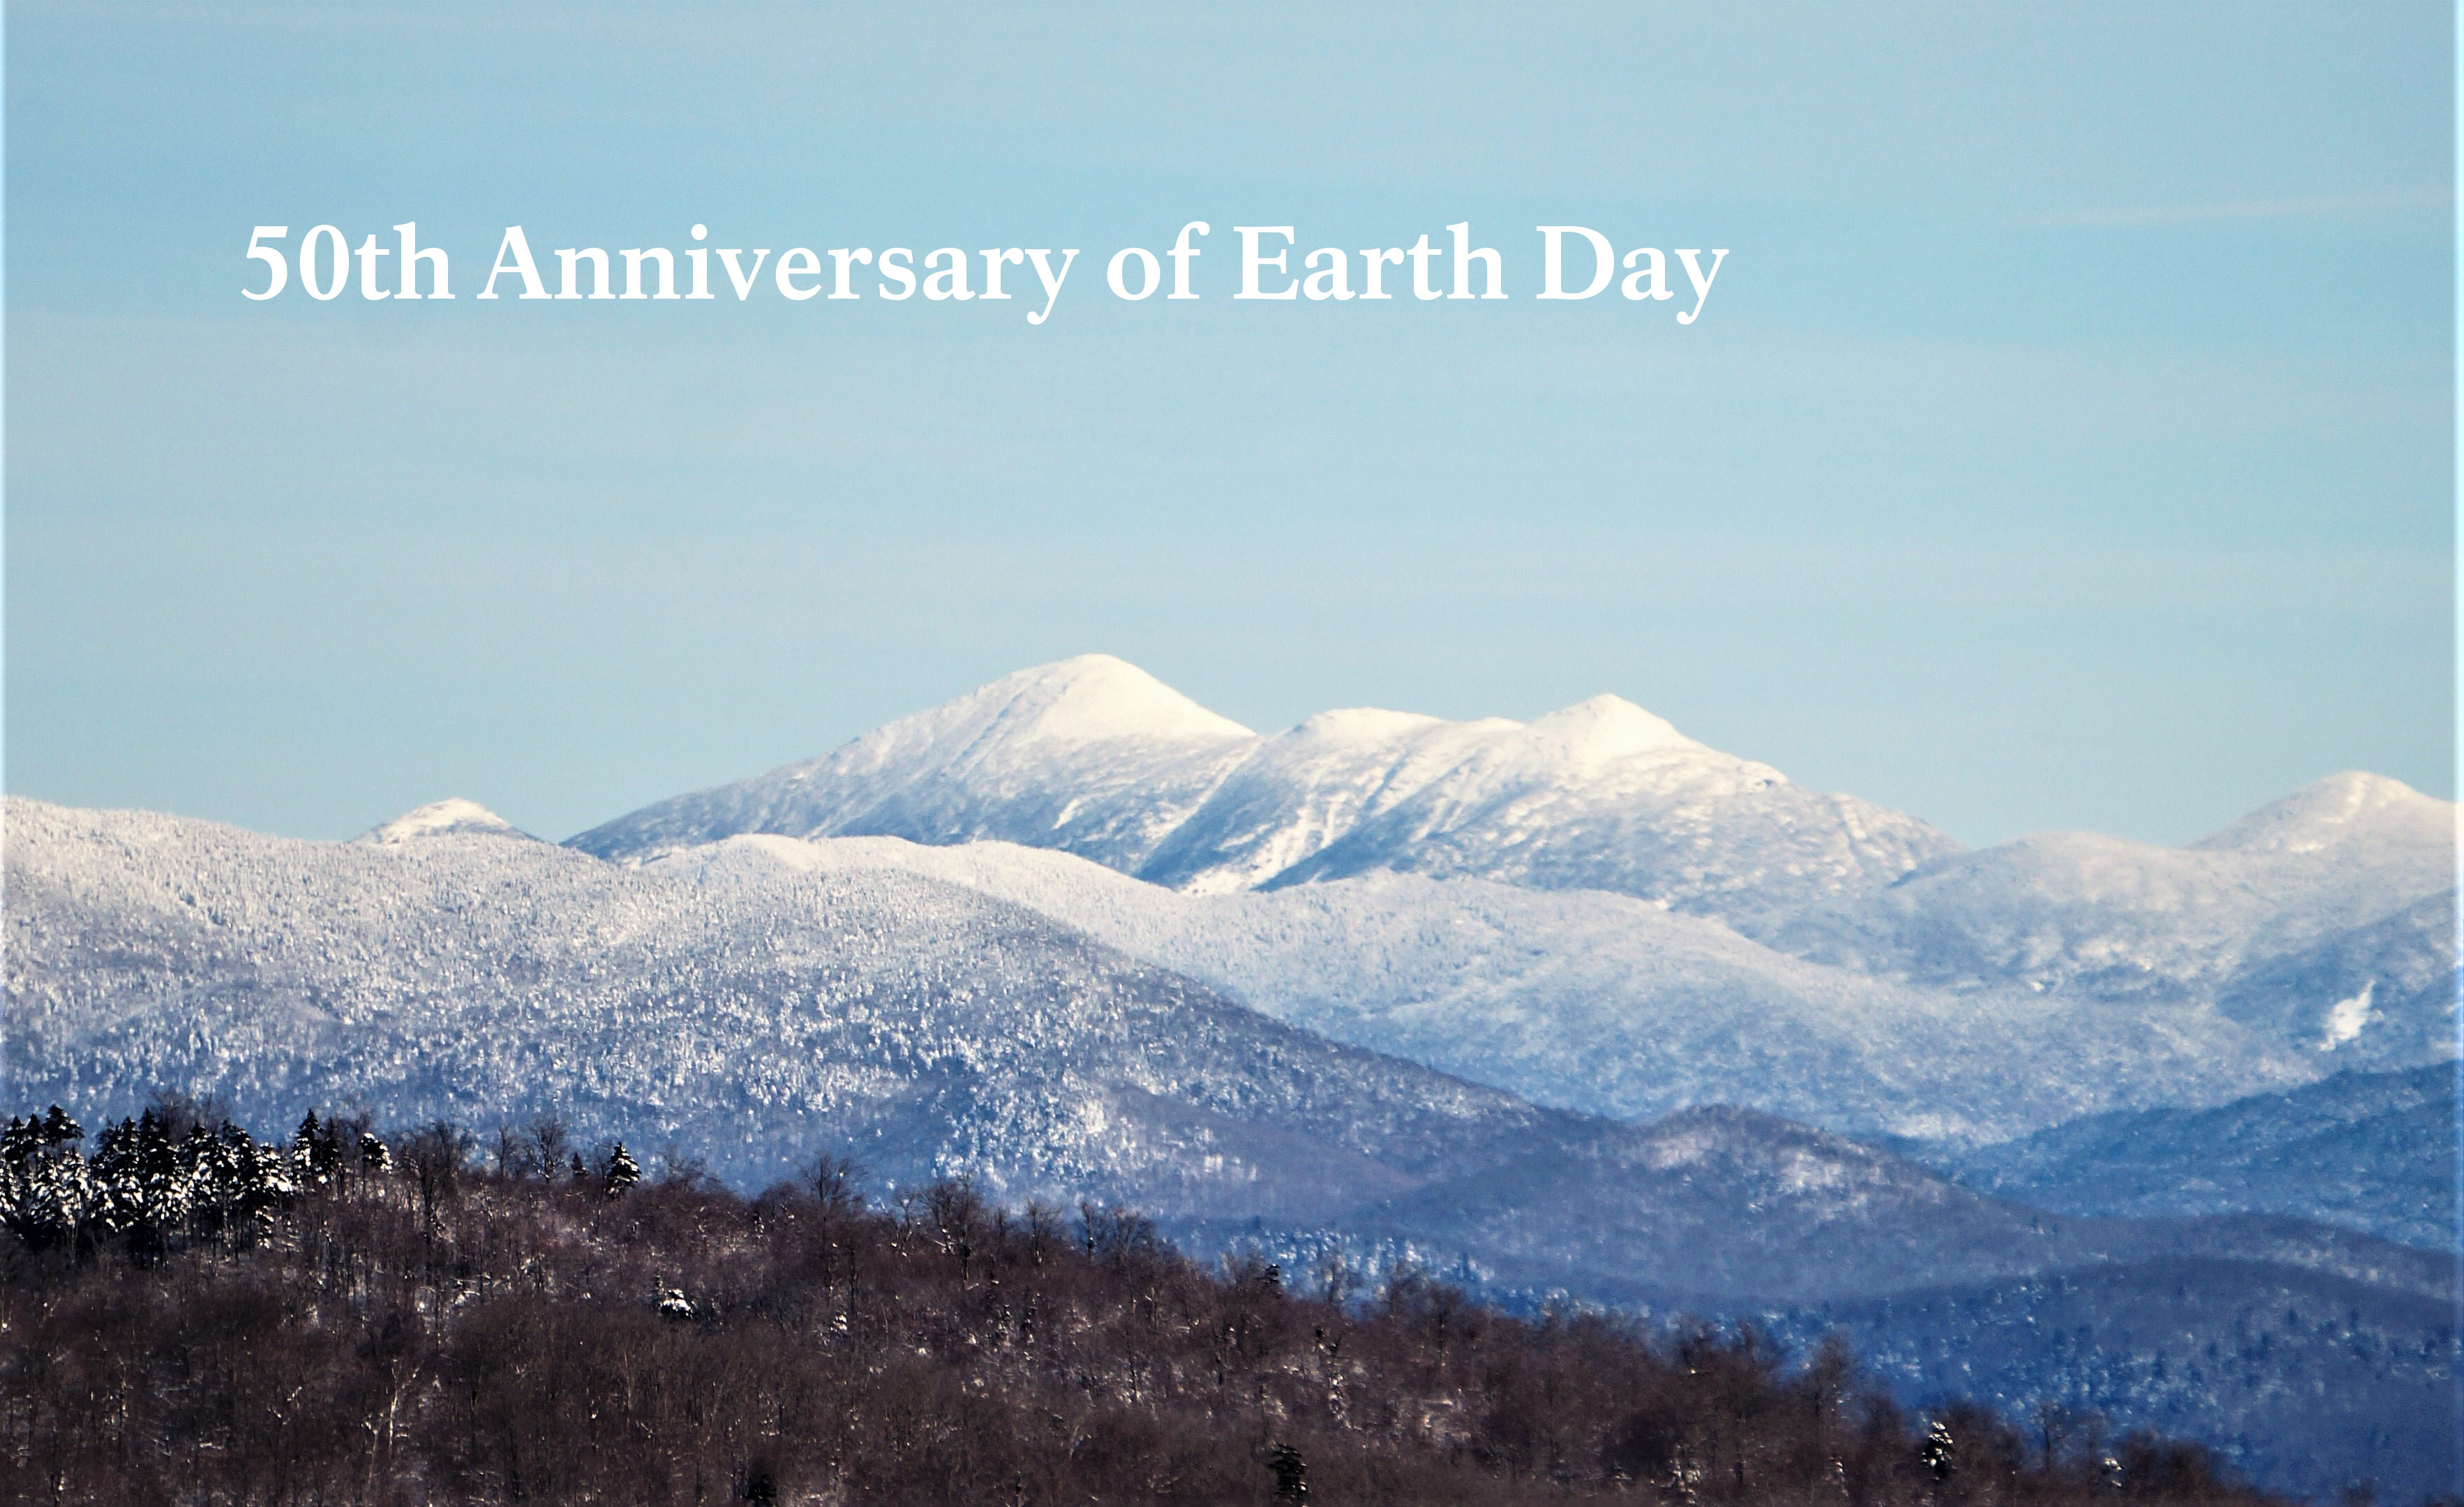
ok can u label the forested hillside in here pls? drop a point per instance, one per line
(196, 1316)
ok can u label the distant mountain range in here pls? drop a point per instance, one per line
(1578, 1007)
(1597, 912)
(1095, 757)
(468, 973)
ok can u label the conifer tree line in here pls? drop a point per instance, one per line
(195, 1316)
(183, 1172)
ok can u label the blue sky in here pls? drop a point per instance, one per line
(2068, 441)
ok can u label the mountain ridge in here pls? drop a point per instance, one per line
(1599, 1002)
(1601, 794)
(2341, 1149)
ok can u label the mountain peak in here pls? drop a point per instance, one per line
(1610, 727)
(451, 817)
(2340, 808)
(1090, 698)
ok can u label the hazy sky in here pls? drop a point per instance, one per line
(2068, 440)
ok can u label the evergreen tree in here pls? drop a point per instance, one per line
(46, 1189)
(261, 1183)
(1292, 1475)
(145, 1186)
(622, 1172)
(316, 1153)
(1936, 1452)
(213, 1173)
(35, 1138)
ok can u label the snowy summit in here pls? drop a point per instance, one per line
(454, 817)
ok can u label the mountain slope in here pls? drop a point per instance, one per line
(1091, 755)
(1604, 795)
(2306, 1383)
(2374, 1151)
(2379, 995)
(1715, 1205)
(1599, 1002)
(927, 1027)
(2083, 913)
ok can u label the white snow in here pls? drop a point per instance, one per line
(1712, 923)
(763, 1019)
(2346, 1017)
(1093, 757)
(453, 816)
(2353, 809)
(1597, 1001)
(2071, 910)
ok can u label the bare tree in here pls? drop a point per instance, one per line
(547, 1145)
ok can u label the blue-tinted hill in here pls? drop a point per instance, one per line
(2371, 1151)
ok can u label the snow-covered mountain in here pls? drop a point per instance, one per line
(454, 816)
(926, 1028)
(1597, 912)
(1090, 756)
(2325, 922)
(1599, 1002)
(1095, 757)
(2076, 909)
(755, 1005)
(759, 1020)
(2315, 916)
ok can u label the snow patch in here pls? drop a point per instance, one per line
(1804, 1172)
(2345, 1018)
